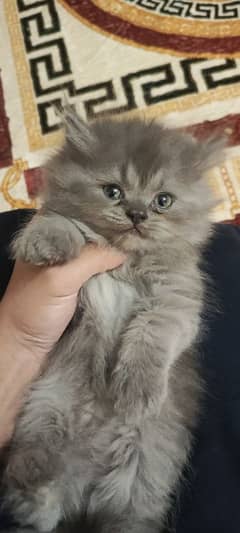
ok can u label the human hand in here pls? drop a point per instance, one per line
(36, 308)
(40, 301)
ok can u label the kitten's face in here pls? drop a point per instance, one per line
(128, 212)
(136, 184)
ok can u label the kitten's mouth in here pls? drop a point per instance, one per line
(131, 238)
(134, 230)
(137, 230)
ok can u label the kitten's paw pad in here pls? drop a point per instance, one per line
(44, 245)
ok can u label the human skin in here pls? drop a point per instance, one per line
(38, 304)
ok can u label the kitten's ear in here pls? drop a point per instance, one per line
(209, 153)
(78, 133)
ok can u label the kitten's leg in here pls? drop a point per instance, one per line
(37, 479)
(49, 239)
(141, 469)
(149, 347)
(131, 520)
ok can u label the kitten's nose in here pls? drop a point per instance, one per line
(136, 215)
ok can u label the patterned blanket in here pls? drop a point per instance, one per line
(178, 60)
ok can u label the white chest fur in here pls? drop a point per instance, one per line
(110, 300)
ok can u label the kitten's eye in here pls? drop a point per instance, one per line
(162, 201)
(113, 192)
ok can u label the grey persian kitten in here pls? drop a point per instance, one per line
(106, 429)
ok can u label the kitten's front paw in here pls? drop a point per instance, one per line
(47, 241)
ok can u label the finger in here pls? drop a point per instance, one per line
(99, 259)
(92, 260)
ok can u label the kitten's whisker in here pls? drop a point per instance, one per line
(117, 220)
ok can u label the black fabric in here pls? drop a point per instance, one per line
(210, 496)
(10, 222)
(210, 501)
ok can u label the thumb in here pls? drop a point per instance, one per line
(95, 259)
(92, 260)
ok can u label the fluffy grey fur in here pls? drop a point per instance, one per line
(106, 429)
